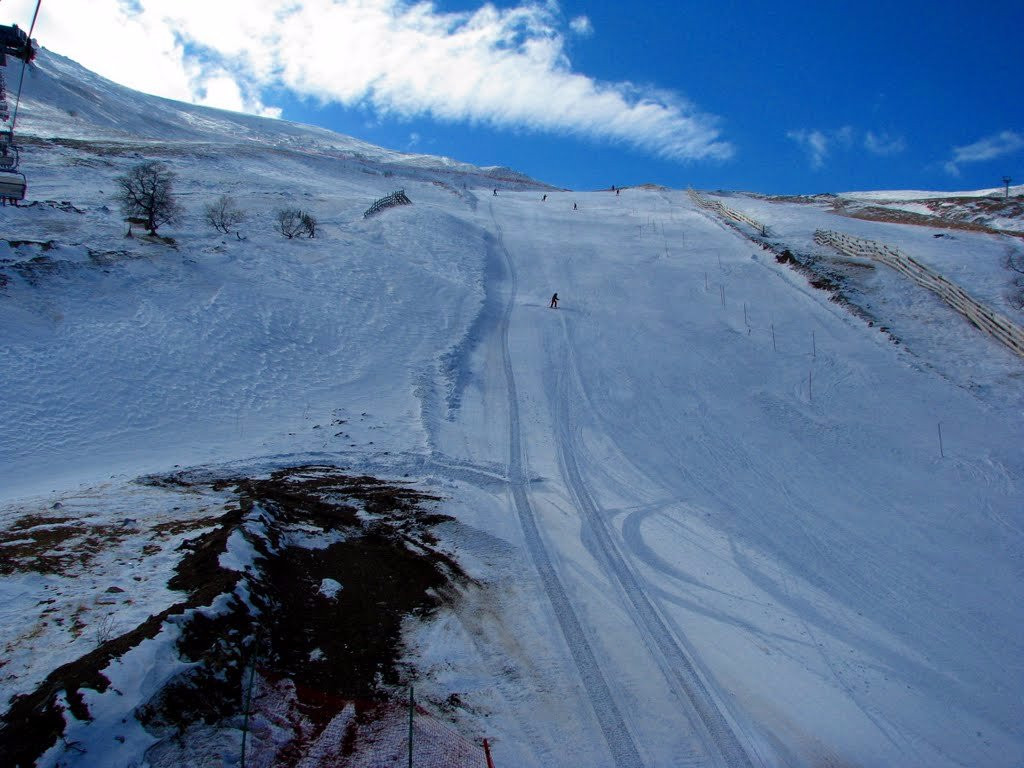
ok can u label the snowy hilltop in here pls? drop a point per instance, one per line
(749, 496)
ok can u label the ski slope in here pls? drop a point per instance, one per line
(706, 509)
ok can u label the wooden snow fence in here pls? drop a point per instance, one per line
(388, 201)
(725, 211)
(1001, 328)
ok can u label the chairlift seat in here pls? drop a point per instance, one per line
(14, 41)
(12, 186)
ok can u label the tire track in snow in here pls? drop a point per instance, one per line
(613, 726)
(674, 661)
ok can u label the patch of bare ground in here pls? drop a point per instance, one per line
(314, 624)
(966, 214)
(53, 544)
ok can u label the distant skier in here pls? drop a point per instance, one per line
(554, 302)
(495, 193)
(544, 199)
(616, 193)
(574, 206)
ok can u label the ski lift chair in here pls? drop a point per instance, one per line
(12, 186)
(14, 41)
(8, 153)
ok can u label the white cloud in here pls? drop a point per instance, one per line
(505, 67)
(815, 143)
(988, 148)
(883, 144)
(844, 136)
(819, 144)
(581, 26)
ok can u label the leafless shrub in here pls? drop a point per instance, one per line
(103, 630)
(309, 224)
(291, 222)
(223, 214)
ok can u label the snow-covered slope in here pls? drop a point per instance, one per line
(1015, 190)
(711, 516)
(62, 99)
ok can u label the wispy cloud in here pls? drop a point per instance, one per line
(814, 143)
(505, 67)
(819, 144)
(988, 148)
(883, 144)
(581, 26)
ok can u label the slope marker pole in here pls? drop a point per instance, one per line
(411, 707)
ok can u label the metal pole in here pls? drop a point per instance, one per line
(773, 338)
(248, 695)
(814, 348)
(941, 452)
(411, 707)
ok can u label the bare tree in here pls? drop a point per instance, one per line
(223, 214)
(291, 222)
(146, 193)
(309, 223)
(1015, 294)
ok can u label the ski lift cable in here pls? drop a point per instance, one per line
(24, 65)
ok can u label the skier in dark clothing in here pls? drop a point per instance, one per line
(554, 302)
(574, 206)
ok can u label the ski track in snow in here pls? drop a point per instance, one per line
(720, 745)
(672, 658)
(613, 726)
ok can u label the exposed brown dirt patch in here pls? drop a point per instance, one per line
(341, 562)
(53, 544)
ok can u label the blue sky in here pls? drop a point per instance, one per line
(795, 97)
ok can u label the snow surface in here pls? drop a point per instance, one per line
(706, 507)
(1015, 190)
